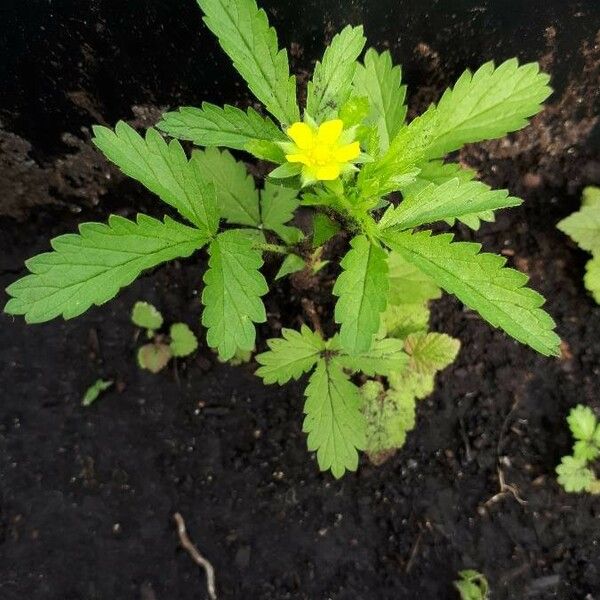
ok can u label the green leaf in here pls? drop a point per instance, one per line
(399, 166)
(362, 294)
(591, 278)
(292, 263)
(232, 293)
(379, 80)
(228, 126)
(399, 320)
(90, 267)
(585, 450)
(590, 196)
(488, 104)
(324, 229)
(335, 426)
(449, 200)
(93, 392)
(411, 384)
(183, 340)
(430, 352)
(164, 169)
(145, 315)
(389, 415)
(277, 206)
(481, 282)
(245, 35)
(354, 111)
(573, 474)
(237, 196)
(295, 353)
(386, 356)
(582, 422)
(583, 227)
(332, 80)
(154, 357)
(407, 284)
(472, 585)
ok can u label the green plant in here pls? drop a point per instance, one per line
(94, 391)
(472, 585)
(347, 157)
(583, 227)
(155, 355)
(573, 472)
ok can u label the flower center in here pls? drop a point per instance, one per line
(320, 155)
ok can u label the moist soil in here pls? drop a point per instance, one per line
(87, 495)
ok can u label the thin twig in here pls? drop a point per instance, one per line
(196, 556)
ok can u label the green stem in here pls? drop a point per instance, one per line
(271, 248)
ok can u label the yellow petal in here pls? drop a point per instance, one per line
(328, 172)
(330, 131)
(302, 135)
(348, 152)
(297, 158)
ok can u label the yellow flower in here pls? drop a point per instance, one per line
(324, 152)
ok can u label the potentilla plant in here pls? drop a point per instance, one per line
(367, 173)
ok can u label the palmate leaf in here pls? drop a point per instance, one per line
(591, 278)
(332, 80)
(449, 200)
(386, 356)
(232, 293)
(379, 80)
(574, 475)
(237, 196)
(229, 127)
(295, 353)
(90, 267)
(362, 294)
(583, 227)
(277, 206)
(245, 35)
(488, 104)
(582, 422)
(163, 168)
(334, 423)
(430, 352)
(483, 283)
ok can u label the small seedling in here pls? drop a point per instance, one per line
(348, 154)
(156, 355)
(583, 227)
(573, 472)
(472, 585)
(94, 391)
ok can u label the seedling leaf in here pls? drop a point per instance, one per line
(94, 391)
(154, 357)
(183, 340)
(145, 315)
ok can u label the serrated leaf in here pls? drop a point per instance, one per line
(399, 166)
(488, 104)
(324, 229)
(334, 423)
(295, 353)
(154, 357)
(590, 196)
(389, 415)
(591, 279)
(385, 356)
(585, 450)
(573, 474)
(407, 284)
(231, 296)
(92, 266)
(277, 206)
(483, 283)
(430, 352)
(450, 200)
(164, 169)
(583, 227)
(146, 315)
(331, 84)
(362, 294)
(228, 127)
(183, 340)
(399, 320)
(379, 80)
(582, 422)
(411, 384)
(354, 111)
(292, 263)
(93, 392)
(237, 196)
(245, 35)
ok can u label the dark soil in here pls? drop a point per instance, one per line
(87, 494)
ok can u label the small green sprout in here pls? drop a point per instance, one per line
(472, 585)
(94, 391)
(155, 356)
(573, 472)
(583, 227)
